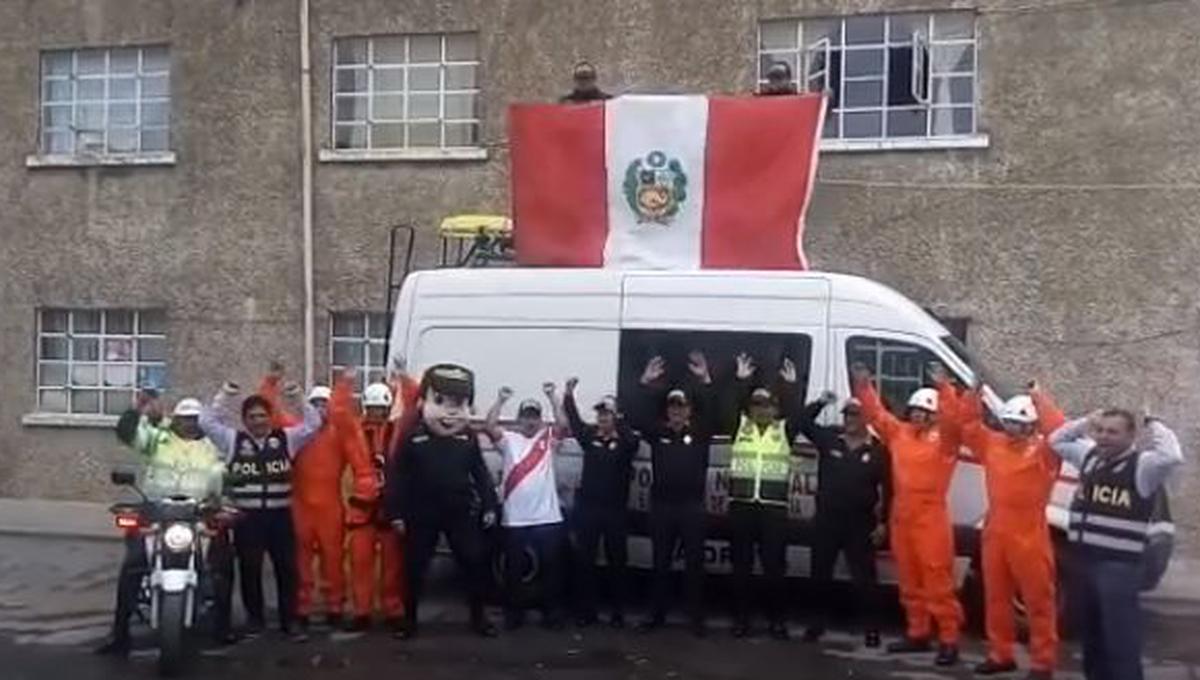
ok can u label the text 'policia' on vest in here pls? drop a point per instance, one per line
(1108, 514)
(760, 466)
(261, 474)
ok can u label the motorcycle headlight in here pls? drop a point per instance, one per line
(178, 537)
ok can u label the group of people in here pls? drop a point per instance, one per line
(391, 478)
(777, 81)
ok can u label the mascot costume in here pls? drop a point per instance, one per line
(438, 485)
(389, 411)
(317, 511)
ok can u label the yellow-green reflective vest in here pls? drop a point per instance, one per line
(760, 466)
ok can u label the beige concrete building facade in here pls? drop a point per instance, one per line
(1029, 165)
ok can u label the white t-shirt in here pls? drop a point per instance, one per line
(534, 500)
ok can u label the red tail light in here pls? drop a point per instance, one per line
(128, 521)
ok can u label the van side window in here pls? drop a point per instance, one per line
(900, 368)
(721, 348)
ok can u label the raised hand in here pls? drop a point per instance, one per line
(745, 366)
(276, 370)
(549, 388)
(859, 372)
(230, 388)
(572, 383)
(788, 371)
(505, 394)
(698, 365)
(655, 369)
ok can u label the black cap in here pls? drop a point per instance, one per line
(585, 69)
(779, 69)
(530, 407)
(450, 379)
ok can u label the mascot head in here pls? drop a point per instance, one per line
(447, 394)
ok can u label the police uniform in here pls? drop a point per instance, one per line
(848, 497)
(679, 459)
(1110, 520)
(261, 474)
(439, 485)
(601, 510)
(759, 481)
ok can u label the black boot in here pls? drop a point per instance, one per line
(299, 631)
(814, 633)
(778, 630)
(909, 646)
(484, 628)
(617, 621)
(652, 624)
(360, 624)
(741, 628)
(871, 639)
(947, 655)
(335, 621)
(991, 667)
(118, 646)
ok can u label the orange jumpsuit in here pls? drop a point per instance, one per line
(370, 533)
(1017, 553)
(922, 539)
(317, 511)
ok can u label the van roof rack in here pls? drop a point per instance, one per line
(466, 241)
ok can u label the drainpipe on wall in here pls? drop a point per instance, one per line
(306, 191)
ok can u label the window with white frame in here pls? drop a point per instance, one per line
(911, 75)
(105, 101)
(90, 361)
(406, 91)
(358, 340)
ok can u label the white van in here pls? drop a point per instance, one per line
(523, 327)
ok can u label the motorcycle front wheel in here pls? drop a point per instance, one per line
(172, 643)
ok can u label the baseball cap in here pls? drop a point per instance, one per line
(608, 403)
(761, 395)
(677, 397)
(530, 406)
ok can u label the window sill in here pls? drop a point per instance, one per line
(70, 420)
(93, 160)
(400, 155)
(979, 141)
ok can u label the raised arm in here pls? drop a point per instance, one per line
(824, 438)
(1050, 416)
(571, 410)
(703, 414)
(1161, 455)
(877, 415)
(213, 421)
(562, 427)
(1069, 441)
(962, 414)
(644, 415)
(271, 389)
(491, 426)
(299, 435)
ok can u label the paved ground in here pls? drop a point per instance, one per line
(56, 595)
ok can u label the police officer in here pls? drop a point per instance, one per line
(601, 506)
(586, 88)
(259, 459)
(759, 476)
(852, 505)
(1120, 474)
(779, 81)
(437, 484)
(679, 449)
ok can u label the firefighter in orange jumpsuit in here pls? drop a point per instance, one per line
(370, 533)
(924, 452)
(317, 510)
(1018, 557)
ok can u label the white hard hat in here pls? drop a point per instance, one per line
(925, 398)
(187, 407)
(377, 394)
(320, 392)
(1019, 409)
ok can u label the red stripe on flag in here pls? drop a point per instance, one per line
(559, 186)
(759, 169)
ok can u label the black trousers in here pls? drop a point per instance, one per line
(468, 545)
(764, 527)
(260, 533)
(593, 525)
(545, 543)
(135, 566)
(849, 534)
(672, 524)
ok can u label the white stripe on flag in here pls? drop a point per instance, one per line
(664, 134)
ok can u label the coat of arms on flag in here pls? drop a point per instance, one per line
(655, 187)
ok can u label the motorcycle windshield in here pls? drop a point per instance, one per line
(160, 481)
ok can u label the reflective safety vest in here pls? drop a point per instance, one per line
(760, 467)
(262, 474)
(1108, 514)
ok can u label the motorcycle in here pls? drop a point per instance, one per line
(177, 531)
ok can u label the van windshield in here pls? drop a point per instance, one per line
(999, 384)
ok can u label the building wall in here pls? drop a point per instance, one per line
(1071, 242)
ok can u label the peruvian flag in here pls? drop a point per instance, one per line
(664, 182)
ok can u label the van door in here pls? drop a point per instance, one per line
(900, 364)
